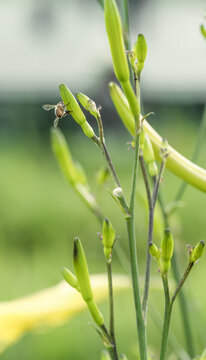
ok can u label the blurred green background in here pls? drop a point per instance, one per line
(39, 212)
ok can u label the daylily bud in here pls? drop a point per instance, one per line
(105, 355)
(198, 251)
(75, 110)
(64, 158)
(88, 104)
(70, 278)
(81, 270)
(122, 106)
(141, 51)
(108, 237)
(149, 157)
(167, 246)
(116, 41)
(82, 274)
(142, 140)
(154, 251)
(119, 197)
(71, 104)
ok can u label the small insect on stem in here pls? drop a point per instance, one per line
(60, 111)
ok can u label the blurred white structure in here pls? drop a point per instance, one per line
(45, 43)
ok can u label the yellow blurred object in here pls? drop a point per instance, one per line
(48, 308)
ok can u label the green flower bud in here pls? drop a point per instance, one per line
(64, 158)
(154, 251)
(142, 140)
(141, 48)
(108, 237)
(105, 355)
(167, 246)
(70, 278)
(122, 106)
(71, 104)
(198, 251)
(119, 197)
(88, 104)
(116, 41)
(152, 168)
(89, 132)
(75, 110)
(149, 157)
(81, 270)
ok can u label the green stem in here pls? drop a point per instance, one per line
(182, 298)
(167, 318)
(181, 283)
(133, 254)
(111, 305)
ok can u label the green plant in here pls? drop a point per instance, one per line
(148, 147)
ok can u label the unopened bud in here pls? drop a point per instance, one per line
(119, 197)
(88, 104)
(116, 41)
(141, 51)
(75, 110)
(149, 157)
(70, 278)
(198, 251)
(108, 237)
(81, 270)
(167, 246)
(154, 251)
(82, 274)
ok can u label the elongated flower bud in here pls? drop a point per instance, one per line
(116, 41)
(203, 30)
(75, 110)
(149, 157)
(108, 237)
(154, 251)
(105, 355)
(198, 251)
(167, 246)
(122, 106)
(81, 270)
(88, 104)
(71, 104)
(141, 51)
(64, 158)
(82, 274)
(69, 277)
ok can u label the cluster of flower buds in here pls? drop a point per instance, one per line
(81, 281)
(195, 253)
(108, 237)
(164, 254)
(73, 172)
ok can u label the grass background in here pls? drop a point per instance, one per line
(40, 214)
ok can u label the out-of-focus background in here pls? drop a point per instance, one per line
(45, 43)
